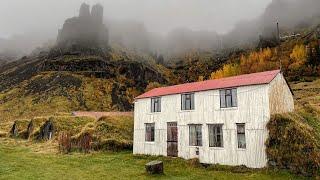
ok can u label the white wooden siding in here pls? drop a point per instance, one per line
(253, 110)
(281, 99)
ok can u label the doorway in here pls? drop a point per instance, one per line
(172, 139)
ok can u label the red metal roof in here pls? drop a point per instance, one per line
(235, 81)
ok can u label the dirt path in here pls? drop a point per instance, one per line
(98, 115)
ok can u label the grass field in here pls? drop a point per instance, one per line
(21, 160)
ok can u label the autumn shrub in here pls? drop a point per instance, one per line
(111, 133)
(292, 145)
(84, 142)
(64, 141)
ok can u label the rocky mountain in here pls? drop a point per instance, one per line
(85, 31)
(81, 72)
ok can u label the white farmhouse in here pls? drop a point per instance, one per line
(220, 121)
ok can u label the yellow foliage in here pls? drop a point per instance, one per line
(226, 71)
(153, 85)
(200, 78)
(257, 61)
(298, 56)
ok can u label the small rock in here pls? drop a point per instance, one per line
(154, 167)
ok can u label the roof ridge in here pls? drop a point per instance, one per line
(226, 82)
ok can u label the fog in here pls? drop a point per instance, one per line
(155, 25)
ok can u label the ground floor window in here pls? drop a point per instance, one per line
(149, 132)
(241, 136)
(215, 135)
(195, 135)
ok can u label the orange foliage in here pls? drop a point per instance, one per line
(298, 57)
(226, 71)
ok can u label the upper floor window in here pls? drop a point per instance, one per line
(156, 104)
(228, 98)
(241, 136)
(187, 101)
(215, 135)
(195, 135)
(149, 132)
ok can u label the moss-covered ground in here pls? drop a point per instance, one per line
(22, 160)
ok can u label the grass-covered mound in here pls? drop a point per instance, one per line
(109, 133)
(34, 125)
(19, 128)
(58, 124)
(293, 144)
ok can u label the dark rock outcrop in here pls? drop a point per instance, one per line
(86, 30)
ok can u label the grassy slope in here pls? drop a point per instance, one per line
(21, 162)
(307, 102)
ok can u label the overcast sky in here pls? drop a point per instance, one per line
(19, 16)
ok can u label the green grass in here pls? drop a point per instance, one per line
(22, 162)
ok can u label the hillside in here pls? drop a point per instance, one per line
(36, 86)
(97, 79)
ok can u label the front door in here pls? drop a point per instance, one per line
(172, 139)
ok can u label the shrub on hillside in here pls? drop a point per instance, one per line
(64, 141)
(109, 133)
(292, 144)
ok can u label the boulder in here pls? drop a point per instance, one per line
(154, 167)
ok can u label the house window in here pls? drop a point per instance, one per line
(150, 132)
(187, 102)
(228, 98)
(241, 136)
(215, 135)
(195, 135)
(156, 104)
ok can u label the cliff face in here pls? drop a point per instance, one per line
(86, 30)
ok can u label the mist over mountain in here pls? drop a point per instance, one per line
(291, 15)
(135, 35)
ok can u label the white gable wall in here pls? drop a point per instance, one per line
(281, 99)
(253, 110)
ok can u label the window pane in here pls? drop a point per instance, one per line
(159, 104)
(192, 135)
(241, 141)
(192, 101)
(234, 98)
(187, 101)
(215, 135)
(195, 135)
(152, 132)
(183, 102)
(199, 135)
(241, 136)
(188, 104)
(149, 132)
(152, 105)
(240, 128)
(222, 99)
(155, 104)
(211, 136)
(228, 92)
(228, 101)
